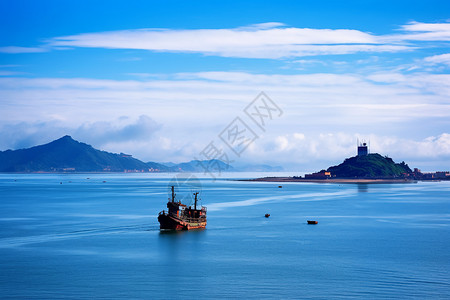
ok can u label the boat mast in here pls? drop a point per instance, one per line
(173, 194)
(195, 202)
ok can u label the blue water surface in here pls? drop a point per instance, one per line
(96, 236)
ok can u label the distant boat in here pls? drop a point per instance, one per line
(311, 222)
(280, 186)
(267, 215)
(181, 217)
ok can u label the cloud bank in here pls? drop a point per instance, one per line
(438, 59)
(334, 147)
(267, 40)
(100, 133)
(213, 98)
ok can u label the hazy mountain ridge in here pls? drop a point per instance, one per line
(213, 165)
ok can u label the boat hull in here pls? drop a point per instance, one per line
(171, 223)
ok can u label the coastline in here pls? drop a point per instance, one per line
(332, 180)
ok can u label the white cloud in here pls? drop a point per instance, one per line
(271, 40)
(214, 97)
(419, 32)
(438, 84)
(438, 59)
(267, 25)
(267, 40)
(426, 31)
(314, 152)
(10, 73)
(16, 49)
(124, 129)
(304, 62)
(426, 27)
(212, 40)
(121, 130)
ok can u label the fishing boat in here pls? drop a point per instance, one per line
(181, 217)
(311, 222)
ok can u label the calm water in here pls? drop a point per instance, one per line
(86, 238)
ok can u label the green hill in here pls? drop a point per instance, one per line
(369, 166)
(66, 154)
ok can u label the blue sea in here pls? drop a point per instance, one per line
(96, 236)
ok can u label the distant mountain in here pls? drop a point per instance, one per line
(158, 167)
(369, 166)
(66, 154)
(259, 168)
(168, 164)
(213, 165)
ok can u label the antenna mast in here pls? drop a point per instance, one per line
(195, 201)
(173, 194)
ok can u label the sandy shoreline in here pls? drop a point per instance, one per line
(335, 180)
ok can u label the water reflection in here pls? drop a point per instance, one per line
(363, 187)
(178, 234)
(174, 242)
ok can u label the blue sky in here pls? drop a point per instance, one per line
(162, 79)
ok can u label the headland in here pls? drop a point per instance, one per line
(365, 168)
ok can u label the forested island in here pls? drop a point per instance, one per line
(364, 168)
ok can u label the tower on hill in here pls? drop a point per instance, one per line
(363, 148)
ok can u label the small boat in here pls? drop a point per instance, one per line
(267, 215)
(280, 186)
(181, 217)
(311, 222)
